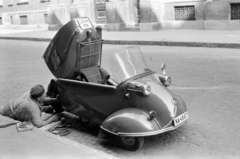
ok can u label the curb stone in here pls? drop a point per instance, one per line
(138, 42)
(72, 144)
(27, 39)
(81, 147)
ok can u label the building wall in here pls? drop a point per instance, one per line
(142, 15)
(174, 9)
(49, 14)
(62, 11)
(30, 12)
(176, 14)
(219, 14)
(150, 15)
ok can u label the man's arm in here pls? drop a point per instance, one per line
(48, 100)
(34, 116)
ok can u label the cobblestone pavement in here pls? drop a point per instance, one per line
(208, 80)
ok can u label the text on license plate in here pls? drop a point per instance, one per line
(85, 23)
(180, 119)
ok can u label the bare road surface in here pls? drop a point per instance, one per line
(208, 79)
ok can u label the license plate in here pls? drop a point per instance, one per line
(85, 23)
(180, 119)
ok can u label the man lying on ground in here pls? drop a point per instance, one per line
(29, 107)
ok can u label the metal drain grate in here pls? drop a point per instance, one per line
(235, 11)
(184, 13)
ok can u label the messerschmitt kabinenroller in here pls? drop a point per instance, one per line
(130, 100)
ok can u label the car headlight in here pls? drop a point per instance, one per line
(146, 90)
(166, 80)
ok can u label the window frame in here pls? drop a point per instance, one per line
(22, 2)
(1, 21)
(22, 21)
(45, 1)
(182, 8)
(235, 17)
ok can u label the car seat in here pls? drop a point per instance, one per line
(95, 75)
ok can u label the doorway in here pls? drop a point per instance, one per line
(100, 11)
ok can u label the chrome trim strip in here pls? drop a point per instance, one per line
(134, 90)
(145, 133)
(87, 83)
(92, 42)
(157, 123)
(137, 77)
(168, 124)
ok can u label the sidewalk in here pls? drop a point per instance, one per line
(41, 144)
(191, 38)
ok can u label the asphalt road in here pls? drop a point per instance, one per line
(208, 79)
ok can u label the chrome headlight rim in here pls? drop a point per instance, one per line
(167, 81)
(146, 90)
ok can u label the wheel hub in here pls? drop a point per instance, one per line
(128, 140)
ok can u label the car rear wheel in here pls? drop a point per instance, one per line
(131, 143)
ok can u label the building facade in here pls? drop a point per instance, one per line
(24, 14)
(118, 15)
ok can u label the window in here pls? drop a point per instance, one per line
(43, 1)
(23, 20)
(100, 1)
(100, 9)
(184, 13)
(46, 19)
(1, 22)
(10, 2)
(11, 19)
(101, 14)
(20, 2)
(235, 11)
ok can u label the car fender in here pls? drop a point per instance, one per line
(130, 122)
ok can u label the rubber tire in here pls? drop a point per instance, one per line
(131, 143)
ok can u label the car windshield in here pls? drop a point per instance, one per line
(127, 63)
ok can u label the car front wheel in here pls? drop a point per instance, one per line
(131, 143)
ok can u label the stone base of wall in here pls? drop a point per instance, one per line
(222, 25)
(115, 27)
(183, 24)
(26, 27)
(120, 27)
(54, 26)
(5, 27)
(150, 26)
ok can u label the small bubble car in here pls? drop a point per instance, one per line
(130, 101)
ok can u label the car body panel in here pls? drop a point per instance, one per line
(160, 100)
(89, 100)
(68, 47)
(133, 102)
(160, 103)
(129, 121)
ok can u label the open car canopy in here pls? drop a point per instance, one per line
(75, 47)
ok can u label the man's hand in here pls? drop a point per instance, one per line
(47, 109)
(48, 100)
(56, 117)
